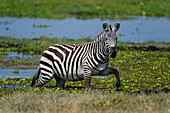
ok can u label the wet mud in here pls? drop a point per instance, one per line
(133, 48)
(145, 48)
(140, 92)
(149, 48)
(10, 45)
(143, 92)
(154, 91)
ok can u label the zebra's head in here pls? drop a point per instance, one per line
(110, 38)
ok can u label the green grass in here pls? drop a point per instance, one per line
(38, 45)
(84, 9)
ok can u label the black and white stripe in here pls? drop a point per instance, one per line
(77, 62)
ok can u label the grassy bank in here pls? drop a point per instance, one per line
(96, 102)
(84, 9)
(38, 45)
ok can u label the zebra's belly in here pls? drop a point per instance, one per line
(78, 73)
(72, 74)
(100, 68)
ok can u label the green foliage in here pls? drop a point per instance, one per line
(84, 9)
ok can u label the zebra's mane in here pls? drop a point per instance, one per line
(98, 37)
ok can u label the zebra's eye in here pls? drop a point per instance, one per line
(109, 35)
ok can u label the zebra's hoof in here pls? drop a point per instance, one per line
(118, 84)
(88, 89)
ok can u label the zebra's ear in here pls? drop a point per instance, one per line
(105, 26)
(116, 26)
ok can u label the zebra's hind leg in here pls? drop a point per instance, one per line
(60, 82)
(45, 78)
(109, 70)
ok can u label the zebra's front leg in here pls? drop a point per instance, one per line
(109, 70)
(87, 78)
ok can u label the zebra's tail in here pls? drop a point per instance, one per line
(36, 76)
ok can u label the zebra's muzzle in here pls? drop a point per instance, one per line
(113, 52)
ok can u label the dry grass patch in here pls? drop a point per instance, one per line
(94, 101)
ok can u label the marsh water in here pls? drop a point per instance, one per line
(18, 65)
(135, 29)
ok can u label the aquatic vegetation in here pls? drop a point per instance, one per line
(2, 54)
(139, 71)
(7, 28)
(41, 26)
(16, 72)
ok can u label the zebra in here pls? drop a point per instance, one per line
(74, 62)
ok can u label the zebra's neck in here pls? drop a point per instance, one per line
(99, 48)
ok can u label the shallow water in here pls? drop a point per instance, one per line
(11, 70)
(139, 29)
(23, 73)
(14, 86)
